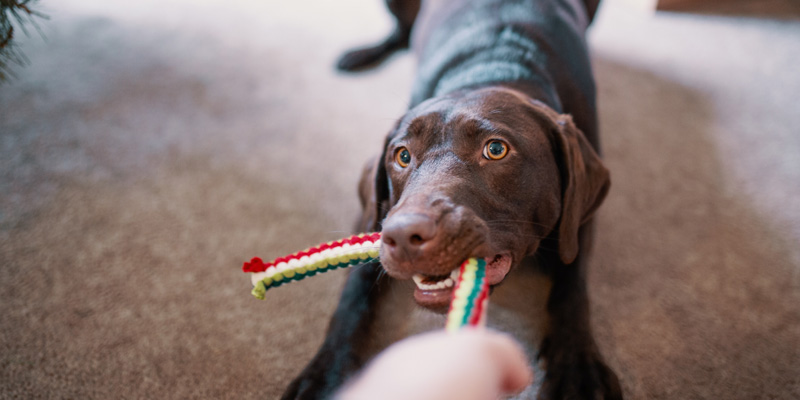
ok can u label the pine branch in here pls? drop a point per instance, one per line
(11, 11)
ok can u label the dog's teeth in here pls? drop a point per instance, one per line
(454, 274)
(420, 281)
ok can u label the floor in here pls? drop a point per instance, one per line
(148, 149)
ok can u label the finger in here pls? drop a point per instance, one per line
(513, 364)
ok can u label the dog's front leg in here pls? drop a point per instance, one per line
(341, 354)
(574, 367)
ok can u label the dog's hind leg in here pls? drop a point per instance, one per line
(405, 12)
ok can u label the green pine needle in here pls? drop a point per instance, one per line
(12, 11)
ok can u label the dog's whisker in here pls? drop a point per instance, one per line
(521, 221)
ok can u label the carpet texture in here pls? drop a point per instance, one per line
(148, 149)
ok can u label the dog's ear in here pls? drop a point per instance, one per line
(585, 183)
(373, 191)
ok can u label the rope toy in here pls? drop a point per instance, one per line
(470, 295)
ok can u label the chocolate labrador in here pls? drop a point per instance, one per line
(497, 158)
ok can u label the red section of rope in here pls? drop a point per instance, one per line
(257, 265)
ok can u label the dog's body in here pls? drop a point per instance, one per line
(485, 163)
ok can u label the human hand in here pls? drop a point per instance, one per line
(471, 364)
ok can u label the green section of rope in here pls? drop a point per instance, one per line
(480, 273)
(260, 289)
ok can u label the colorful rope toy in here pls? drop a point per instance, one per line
(358, 249)
(470, 296)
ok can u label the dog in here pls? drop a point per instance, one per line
(498, 158)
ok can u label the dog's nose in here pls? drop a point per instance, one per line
(407, 233)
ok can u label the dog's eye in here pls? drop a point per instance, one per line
(403, 157)
(495, 150)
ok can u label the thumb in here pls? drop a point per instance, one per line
(511, 361)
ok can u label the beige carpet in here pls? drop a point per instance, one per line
(146, 151)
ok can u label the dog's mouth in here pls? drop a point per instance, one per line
(435, 292)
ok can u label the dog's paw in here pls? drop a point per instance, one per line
(578, 375)
(300, 389)
(319, 380)
(360, 59)
(307, 386)
(369, 57)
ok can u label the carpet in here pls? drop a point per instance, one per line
(149, 148)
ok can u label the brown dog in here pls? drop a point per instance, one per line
(496, 158)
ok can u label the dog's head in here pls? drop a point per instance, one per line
(486, 173)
